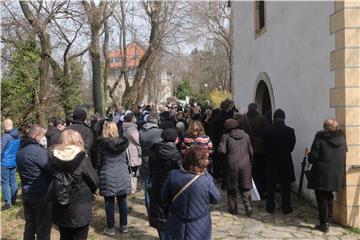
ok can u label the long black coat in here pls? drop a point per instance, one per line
(164, 157)
(78, 212)
(113, 168)
(238, 151)
(278, 142)
(217, 126)
(254, 124)
(328, 155)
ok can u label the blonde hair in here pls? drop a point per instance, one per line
(330, 125)
(71, 137)
(110, 130)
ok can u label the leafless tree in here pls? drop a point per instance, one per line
(168, 22)
(213, 20)
(96, 17)
(120, 18)
(39, 23)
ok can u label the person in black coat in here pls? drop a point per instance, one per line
(35, 172)
(53, 132)
(254, 124)
(69, 156)
(327, 156)
(217, 129)
(278, 142)
(78, 124)
(164, 157)
(149, 135)
(166, 121)
(114, 174)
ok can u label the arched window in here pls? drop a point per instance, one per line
(260, 18)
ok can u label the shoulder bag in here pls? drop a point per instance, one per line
(186, 187)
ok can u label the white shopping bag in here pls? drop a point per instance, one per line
(255, 196)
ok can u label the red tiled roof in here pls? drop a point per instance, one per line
(134, 53)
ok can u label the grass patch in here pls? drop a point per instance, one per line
(354, 230)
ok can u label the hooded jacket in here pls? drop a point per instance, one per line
(10, 142)
(236, 146)
(85, 182)
(327, 155)
(113, 168)
(134, 150)
(34, 168)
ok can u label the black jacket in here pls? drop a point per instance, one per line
(113, 168)
(328, 155)
(52, 136)
(149, 135)
(34, 168)
(278, 143)
(87, 135)
(167, 124)
(217, 126)
(164, 157)
(78, 212)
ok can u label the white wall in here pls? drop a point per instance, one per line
(295, 53)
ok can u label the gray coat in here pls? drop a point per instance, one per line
(236, 146)
(113, 173)
(134, 149)
(149, 135)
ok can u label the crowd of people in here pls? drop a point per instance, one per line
(179, 153)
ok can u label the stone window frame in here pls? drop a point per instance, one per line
(259, 31)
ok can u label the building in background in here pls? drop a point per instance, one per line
(304, 57)
(163, 84)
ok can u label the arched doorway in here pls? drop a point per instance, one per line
(263, 95)
(262, 98)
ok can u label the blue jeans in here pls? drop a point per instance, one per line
(147, 184)
(110, 209)
(8, 184)
(161, 234)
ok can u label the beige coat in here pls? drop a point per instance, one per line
(134, 149)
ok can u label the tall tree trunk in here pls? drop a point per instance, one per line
(124, 68)
(44, 78)
(95, 17)
(106, 54)
(96, 71)
(135, 93)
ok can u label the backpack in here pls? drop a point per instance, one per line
(61, 188)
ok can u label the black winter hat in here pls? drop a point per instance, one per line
(279, 114)
(252, 106)
(169, 135)
(79, 114)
